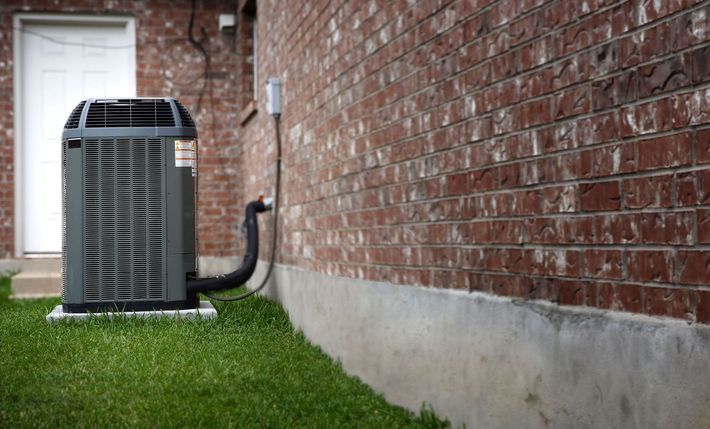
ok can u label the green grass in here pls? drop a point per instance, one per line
(247, 368)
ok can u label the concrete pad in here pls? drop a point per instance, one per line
(205, 311)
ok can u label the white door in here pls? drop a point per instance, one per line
(61, 64)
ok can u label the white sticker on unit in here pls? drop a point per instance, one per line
(185, 154)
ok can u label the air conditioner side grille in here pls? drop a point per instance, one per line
(130, 113)
(185, 117)
(73, 120)
(124, 231)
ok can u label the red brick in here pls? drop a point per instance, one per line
(666, 75)
(572, 102)
(702, 146)
(701, 65)
(653, 191)
(665, 152)
(703, 226)
(577, 293)
(679, 303)
(667, 228)
(603, 264)
(650, 266)
(690, 108)
(614, 229)
(703, 311)
(543, 289)
(620, 297)
(609, 160)
(600, 196)
(458, 184)
(655, 116)
(688, 29)
(694, 267)
(600, 128)
(703, 184)
(560, 199)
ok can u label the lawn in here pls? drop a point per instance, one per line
(247, 368)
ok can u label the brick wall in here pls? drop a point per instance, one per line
(167, 65)
(555, 150)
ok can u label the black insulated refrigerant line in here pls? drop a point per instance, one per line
(244, 272)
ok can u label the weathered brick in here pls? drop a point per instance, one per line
(653, 191)
(703, 311)
(600, 196)
(609, 160)
(560, 199)
(703, 226)
(700, 65)
(614, 229)
(620, 297)
(603, 264)
(572, 102)
(702, 146)
(693, 266)
(664, 76)
(667, 228)
(664, 152)
(690, 108)
(679, 303)
(651, 117)
(650, 266)
(577, 293)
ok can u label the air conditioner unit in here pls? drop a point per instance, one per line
(128, 201)
(128, 210)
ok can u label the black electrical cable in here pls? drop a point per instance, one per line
(91, 45)
(274, 228)
(199, 45)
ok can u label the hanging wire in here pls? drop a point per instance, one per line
(89, 45)
(274, 226)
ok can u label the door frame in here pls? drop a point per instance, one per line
(19, 20)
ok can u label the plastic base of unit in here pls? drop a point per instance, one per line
(205, 310)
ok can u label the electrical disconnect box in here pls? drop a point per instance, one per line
(273, 96)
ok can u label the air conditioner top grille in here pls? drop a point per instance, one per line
(139, 112)
(129, 113)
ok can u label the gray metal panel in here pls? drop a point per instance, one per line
(137, 132)
(180, 218)
(72, 234)
(124, 212)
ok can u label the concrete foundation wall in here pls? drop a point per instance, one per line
(211, 265)
(493, 362)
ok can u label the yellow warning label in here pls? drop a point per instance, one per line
(185, 154)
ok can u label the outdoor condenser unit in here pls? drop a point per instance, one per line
(128, 187)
